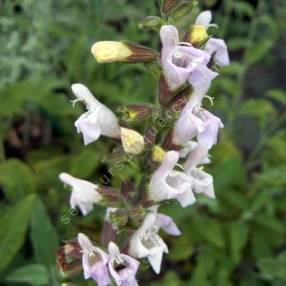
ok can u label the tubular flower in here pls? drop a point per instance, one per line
(181, 62)
(196, 123)
(122, 267)
(145, 242)
(98, 120)
(84, 193)
(167, 183)
(94, 261)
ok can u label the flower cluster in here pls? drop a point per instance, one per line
(170, 156)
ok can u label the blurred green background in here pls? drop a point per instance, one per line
(237, 239)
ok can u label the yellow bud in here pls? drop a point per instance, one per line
(198, 34)
(110, 51)
(132, 141)
(158, 154)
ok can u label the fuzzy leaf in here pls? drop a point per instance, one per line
(13, 227)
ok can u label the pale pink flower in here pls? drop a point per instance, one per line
(181, 62)
(167, 183)
(122, 267)
(94, 261)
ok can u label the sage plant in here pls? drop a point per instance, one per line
(169, 148)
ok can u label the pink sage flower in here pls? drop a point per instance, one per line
(122, 267)
(166, 183)
(94, 261)
(196, 123)
(181, 62)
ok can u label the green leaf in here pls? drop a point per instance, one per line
(182, 249)
(16, 179)
(210, 230)
(261, 109)
(171, 279)
(85, 162)
(44, 239)
(259, 51)
(238, 237)
(33, 274)
(270, 222)
(277, 95)
(273, 267)
(229, 173)
(273, 177)
(243, 8)
(13, 226)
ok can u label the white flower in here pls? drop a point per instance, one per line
(145, 242)
(84, 193)
(94, 261)
(122, 267)
(167, 183)
(98, 120)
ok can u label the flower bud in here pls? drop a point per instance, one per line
(198, 34)
(119, 218)
(132, 141)
(151, 23)
(158, 154)
(68, 258)
(112, 51)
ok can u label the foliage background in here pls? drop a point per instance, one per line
(238, 239)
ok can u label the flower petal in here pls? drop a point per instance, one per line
(208, 137)
(155, 260)
(201, 78)
(89, 128)
(203, 183)
(170, 39)
(167, 224)
(204, 19)
(218, 48)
